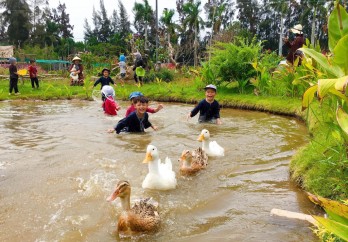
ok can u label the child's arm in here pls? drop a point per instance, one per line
(194, 111)
(159, 107)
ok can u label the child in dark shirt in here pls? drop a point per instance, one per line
(131, 108)
(137, 121)
(208, 108)
(13, 76)
(104, 80)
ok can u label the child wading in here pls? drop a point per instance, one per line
(104, 80)
(13, 76)
(131, 108)
(33, 74)
(109, 105)
(137, 121)
(208, 108)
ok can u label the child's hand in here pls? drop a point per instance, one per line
(218, 121)
(111, 130)
(188, 116)
(154, 128)
(159, 107)
(118, 108)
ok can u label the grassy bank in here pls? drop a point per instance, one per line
(320, 167)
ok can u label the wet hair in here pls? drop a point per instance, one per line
(140, 99)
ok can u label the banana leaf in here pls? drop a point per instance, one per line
(324, 86)
(330, 68)
(341, 54)
(342, 119)
(341, 84)
(308, 96)
(338, 229)
(338, 18)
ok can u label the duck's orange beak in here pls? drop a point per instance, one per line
(113, 196)
(148, 158)
(201, 137)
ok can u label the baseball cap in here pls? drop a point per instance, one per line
(210, 86)
(135, 94)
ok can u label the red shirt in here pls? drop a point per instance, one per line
(110, 106)
(131, 109)
(32, 71)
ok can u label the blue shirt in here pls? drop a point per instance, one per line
(207, 111)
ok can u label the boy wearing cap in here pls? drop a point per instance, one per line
(131, 108)
(208, 108)
(105, 79)
(137, 121)
(13, 76)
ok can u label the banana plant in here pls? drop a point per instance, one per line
(337, 221)
(335, 66)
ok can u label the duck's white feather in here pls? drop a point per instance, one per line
(212, 148)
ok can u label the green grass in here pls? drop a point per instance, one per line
(321, 167)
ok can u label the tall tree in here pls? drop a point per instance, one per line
(61, 17)
(105, 23)
(143, 15)
(194, 22)
(124, 21)
(281, 7)
(17, 18)
(248, 14)
(219, 14)
(115, 22)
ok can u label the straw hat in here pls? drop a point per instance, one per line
(297, 29)
(76, 58)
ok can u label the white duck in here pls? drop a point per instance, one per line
(212, 148)
(160, 176)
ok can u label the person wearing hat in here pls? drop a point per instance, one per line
(105, 79)
(208, 108)
(76, 72)
(13, 75)
(110, 106)
(131, 108)
(293, 46)
(33, 74)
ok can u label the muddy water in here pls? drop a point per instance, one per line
(58, 165)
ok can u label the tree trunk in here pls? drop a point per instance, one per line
(145, 44)
(281, 36)
(195, 48)
(313, 27)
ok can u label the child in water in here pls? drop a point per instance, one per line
(208, 108)
(104, 80)
(110, 106)
(137, 121)
(131, 108)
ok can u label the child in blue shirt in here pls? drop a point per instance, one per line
(208, 108)
(137, 121)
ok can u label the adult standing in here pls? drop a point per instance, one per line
(13, 76)
(76, 72)
(294, 45)
(138, 63)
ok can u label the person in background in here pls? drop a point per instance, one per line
(76, 68)
(110, 106)
(131, 108)
(13, 76)
(123, 68)
(208, 108)
(33, 74)
(105, 79)
(138, 62)
(137, 121)
(294, 45)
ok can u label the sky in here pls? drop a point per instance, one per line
(80, 10)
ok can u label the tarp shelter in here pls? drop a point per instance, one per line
(55, 64)
(6, 51)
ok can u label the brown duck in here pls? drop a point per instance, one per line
(193, 161)
(142, 217)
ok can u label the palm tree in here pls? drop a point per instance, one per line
(193, 21)
(143, 14)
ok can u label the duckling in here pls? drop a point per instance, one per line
(193, 161)
(161, 175)
(212, 148)
(142, 217)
